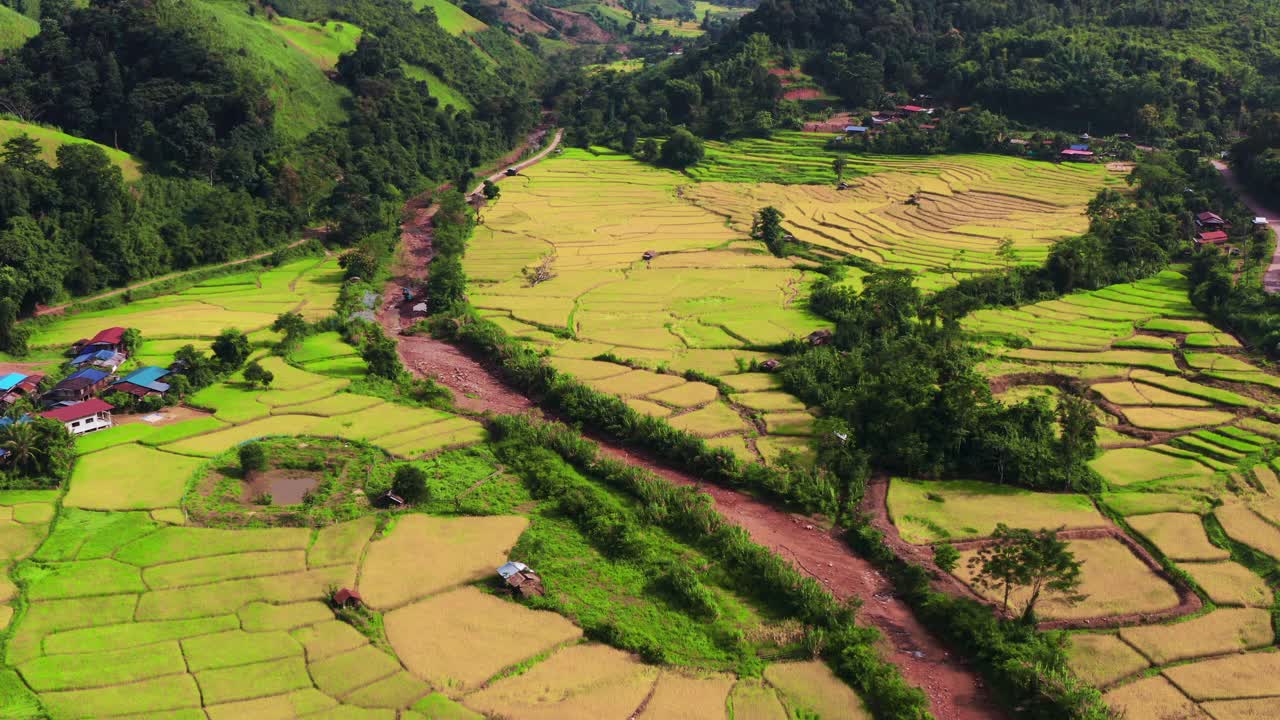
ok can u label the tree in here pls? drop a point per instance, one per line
(838, 165)
(1037, 561)
(255, 374)
(410, 483)
(1005, 251)
(681, 150)
(358, 262)
(380, 354)
(647, 150)
(292, 325)
(767, 228)
(131, 340)
(253, 457)
(22, 441)
(198, 368)
(231, 348)
(491, 190)
(946, 556)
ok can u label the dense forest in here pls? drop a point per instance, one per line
(1186, 71)
(224, 174)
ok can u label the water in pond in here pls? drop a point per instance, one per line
(286, 487)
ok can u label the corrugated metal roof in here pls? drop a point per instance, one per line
(146, 376)
(10, 381)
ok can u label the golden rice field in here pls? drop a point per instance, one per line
(964, 206)
(1187, 464)
(706, 298)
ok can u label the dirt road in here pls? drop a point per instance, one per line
(954, 691)
(1271, 279)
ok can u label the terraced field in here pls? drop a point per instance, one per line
(704, 299)
(1190, 474)
(941, 216)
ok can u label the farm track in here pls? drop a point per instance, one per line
(955, 691)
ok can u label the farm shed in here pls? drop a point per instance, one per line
(27, 386)
(347, 598)
(769, 365)
(110, 339)
(86, 417)
(143, 382)
(79, 385)
(855, 129)
(819, 337)
(520, 579)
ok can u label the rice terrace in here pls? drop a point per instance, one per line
(661, 360)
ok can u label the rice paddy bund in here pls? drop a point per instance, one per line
(1189, 461)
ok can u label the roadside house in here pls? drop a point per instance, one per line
(79, 385)
(86, 417)
(143, 382)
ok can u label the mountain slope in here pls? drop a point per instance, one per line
(50, 140)
(15, 28)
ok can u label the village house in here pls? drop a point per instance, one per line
(143, 382)
(1211, 221)
(908, 110)
(79, 385)
(1074, 153)
(108, 359)
(17, 385)
(110, 339)
(1212, 237)
(347, 598)
(86, 417)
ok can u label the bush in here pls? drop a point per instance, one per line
(410, 483)
(252, 457)
(681, 150)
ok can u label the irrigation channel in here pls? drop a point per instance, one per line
(955, 691)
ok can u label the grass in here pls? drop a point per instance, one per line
(1152, 698)
(1130, 466)
(262, 617)
(1180, 536)
(1114, 580)
(1218, 633)
(166, 693)
(236, 647)
(96, 482)
(679, 695)
(171, 544)
(714, 419)
(326, 639)
(229, 567)
(452, 18)
(15, 28)
(584, 682)
(811, 687)
(80, 579)
(342, 673)
(1245, 526)
(50, 139)
(341, 544)
(112, 667)
(133, 635)
(247, 681)
(1102, 659)
(460, 639)
(422, 555)
(291, 55)
(438, 88)
(753, 700)
(1237, 676)
(926, 511)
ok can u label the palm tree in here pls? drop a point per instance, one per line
(22, 442)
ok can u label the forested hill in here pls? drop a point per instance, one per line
(1152, 68)
(250, 122)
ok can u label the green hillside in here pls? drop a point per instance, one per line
(15, 28)
(438, 88)
(288, 56)
(51, 140)
(452, 18)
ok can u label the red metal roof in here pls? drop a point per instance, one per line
(89, 407)
(912, 108)
(1209, 217)
(1213, 238)
(1077, 153)
(110, 336)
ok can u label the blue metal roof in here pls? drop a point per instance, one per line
(91, 356)
(8, 382)
(855, 128)
(92, 374)
(147, 377)
(1079, 147)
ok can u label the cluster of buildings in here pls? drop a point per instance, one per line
(889, 117)
(75, 401)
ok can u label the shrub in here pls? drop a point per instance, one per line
(410, 483)
(252, 457)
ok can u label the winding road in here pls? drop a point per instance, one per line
(955, 692)
(1270, 279)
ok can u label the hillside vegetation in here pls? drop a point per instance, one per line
(15, 28)
(50, 140)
